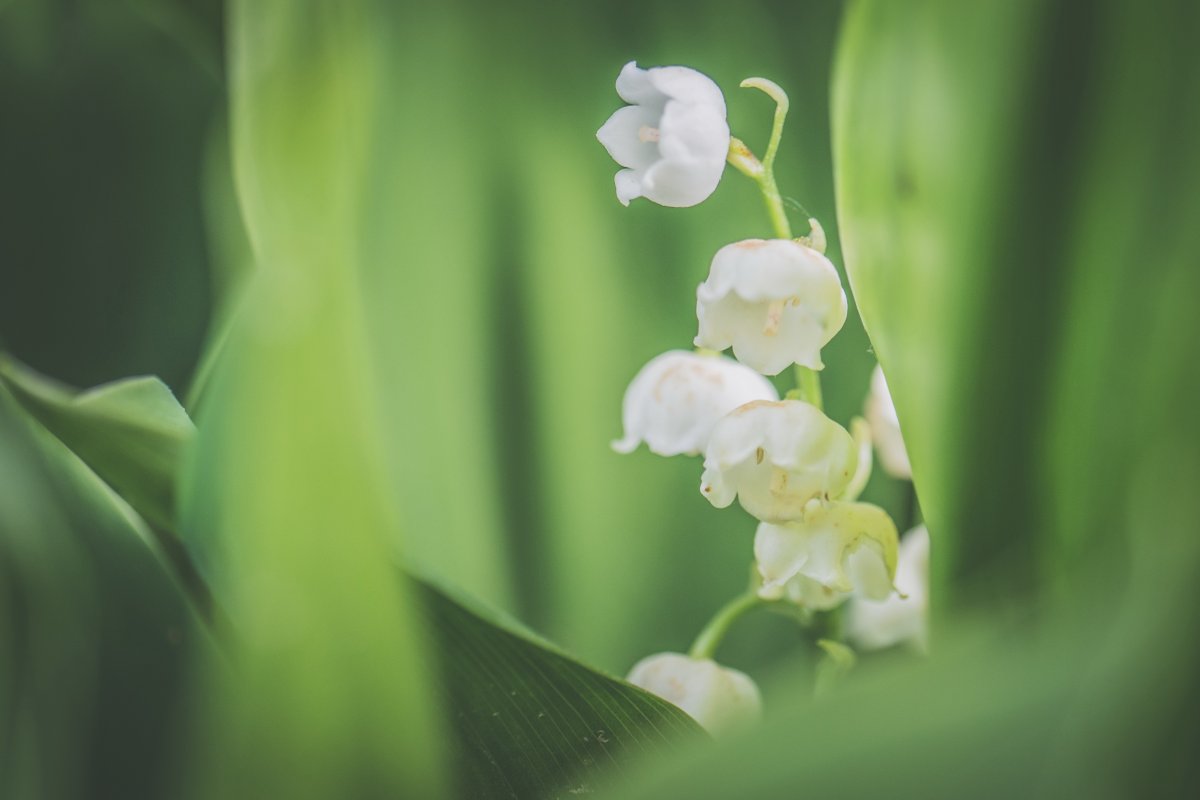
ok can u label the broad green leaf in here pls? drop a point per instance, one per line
(529, 721)
(131, 432)
(96, 639)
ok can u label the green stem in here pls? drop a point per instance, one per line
(774, 203)
(710, 638)
(808, 381)
(765, 177)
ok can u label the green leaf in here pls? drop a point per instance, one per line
(96, 640)
(131, 432)
(529, 721)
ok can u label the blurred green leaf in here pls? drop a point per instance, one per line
(96, 640)
(131, 432)
(287, 503)
(531, 722)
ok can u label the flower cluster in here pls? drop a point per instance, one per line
(775, 303)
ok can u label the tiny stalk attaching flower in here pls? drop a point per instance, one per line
(763, 172)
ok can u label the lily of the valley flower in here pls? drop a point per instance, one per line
(672, 139)
(676, 399)
(719, 698)
(874, 624)
(885, 428)
(775, 301)
(775, 457)
(837, 549)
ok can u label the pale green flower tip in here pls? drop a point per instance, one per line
(844, 657)
(836, 549)
(903, 617)
(769, 88)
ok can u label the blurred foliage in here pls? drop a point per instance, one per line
(132, 433)
(427, 357)
(95, 638)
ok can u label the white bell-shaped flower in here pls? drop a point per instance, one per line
(775, 457)
(880, 412)
(719, 698)
(672, 139)
(676, 399)
(837, 549)
(874, 624)
(774, 301)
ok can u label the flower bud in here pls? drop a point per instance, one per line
(775, 457)
(775, 302)
(672, 139)
(885, 428)
(719, 698)
(676, 399)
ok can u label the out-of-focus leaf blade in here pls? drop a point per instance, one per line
(286, 503)
(531, 722)
(95, 637)
(131, 432)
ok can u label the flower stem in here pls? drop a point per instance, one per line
(774, 203)
(710, 638)
(808, 382)
(764, 174)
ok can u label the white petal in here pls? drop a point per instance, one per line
(629, 185)
(622, 136)
(771, 355)
(885, 428)
(719, 698)
(735, 437)
(688, 86)
(634, 86)
(694, 133)
(780, 552)
(681, 184)
(769, 269)
(676, 399)
(719, 491)
(868, 571)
